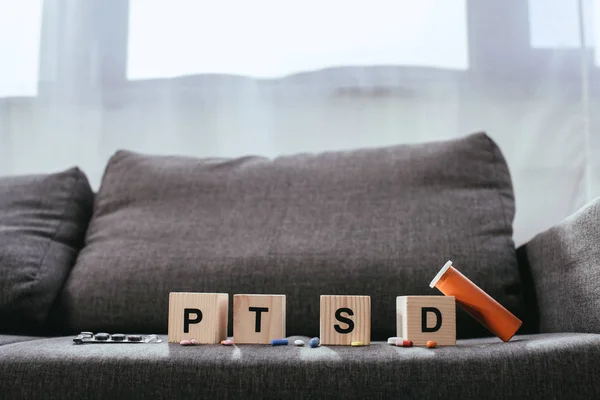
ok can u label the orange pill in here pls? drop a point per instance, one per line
(431, 344)
(476, 302)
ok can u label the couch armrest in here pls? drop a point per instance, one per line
(565, 267)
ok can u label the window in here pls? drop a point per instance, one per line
(555, 23)
(272, 38)
(19, 58)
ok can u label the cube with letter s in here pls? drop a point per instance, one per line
(345, 319)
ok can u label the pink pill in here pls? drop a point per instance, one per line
(227, 342)
(194, 341)
(186, 343)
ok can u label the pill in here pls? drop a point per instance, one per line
(356, 344)
(101, 336)
(431, 344)
(185, 342)
(194, 341)
(279, 342)
(299, 342)
(404, 343)
(314, 342)
(134, 338)
(227, 342)
(117, 337)
(393, 340)
(87, 334)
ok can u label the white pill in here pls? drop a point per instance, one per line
(298, 342)
(392, 340)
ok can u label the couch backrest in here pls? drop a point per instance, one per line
(378, 222)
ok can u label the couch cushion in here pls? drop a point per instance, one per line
(43, 219)
(8, 339)
(377, 222)
(537, 367)
(565, 268)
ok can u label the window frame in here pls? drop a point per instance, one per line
(93, 65)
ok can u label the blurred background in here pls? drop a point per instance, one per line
(80, 79)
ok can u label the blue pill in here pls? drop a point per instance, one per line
(279, 342)
(314, 342)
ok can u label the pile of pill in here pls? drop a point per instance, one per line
(102, 337)
(399, 342)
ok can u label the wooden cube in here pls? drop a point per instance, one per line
(423, 318)
(345, 319)
(257, 318)
(200, 316)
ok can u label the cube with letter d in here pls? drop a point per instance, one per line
(424, 318)
(345, 319)
(258, 318)
(200, 316)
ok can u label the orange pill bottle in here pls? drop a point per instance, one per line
(476, 302)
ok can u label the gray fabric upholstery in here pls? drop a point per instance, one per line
(557, 366)
(565, 266)
(43, 219)
(8, 339)
(377, 222)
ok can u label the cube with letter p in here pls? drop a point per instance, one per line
(424, 318)
(345, 319)
(257, 318)
(200, 316)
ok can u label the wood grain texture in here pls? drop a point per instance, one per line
(212, 328)
(361, 318)
(409, 310)
(272, 322)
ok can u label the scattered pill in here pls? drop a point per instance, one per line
(393, 340)
(101, 336)
(356, 344)
(431, 344)
(299, 342)
(134, 338)
(194, 341)
(227, 342)
(279, 342)
(404, 343)
(117, 337)
(185, 342)
(314, 342)
(87, 334)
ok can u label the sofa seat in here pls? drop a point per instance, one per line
(8, 339)
(544, 366)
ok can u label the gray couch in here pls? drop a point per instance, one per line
(379, 222)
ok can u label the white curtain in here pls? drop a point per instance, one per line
(81, 79)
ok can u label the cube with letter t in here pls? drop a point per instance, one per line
(258, 319)
(200, 316)
(424, 318)
(345, 319)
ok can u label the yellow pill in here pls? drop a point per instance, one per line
(357, 344)
(431, 344)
